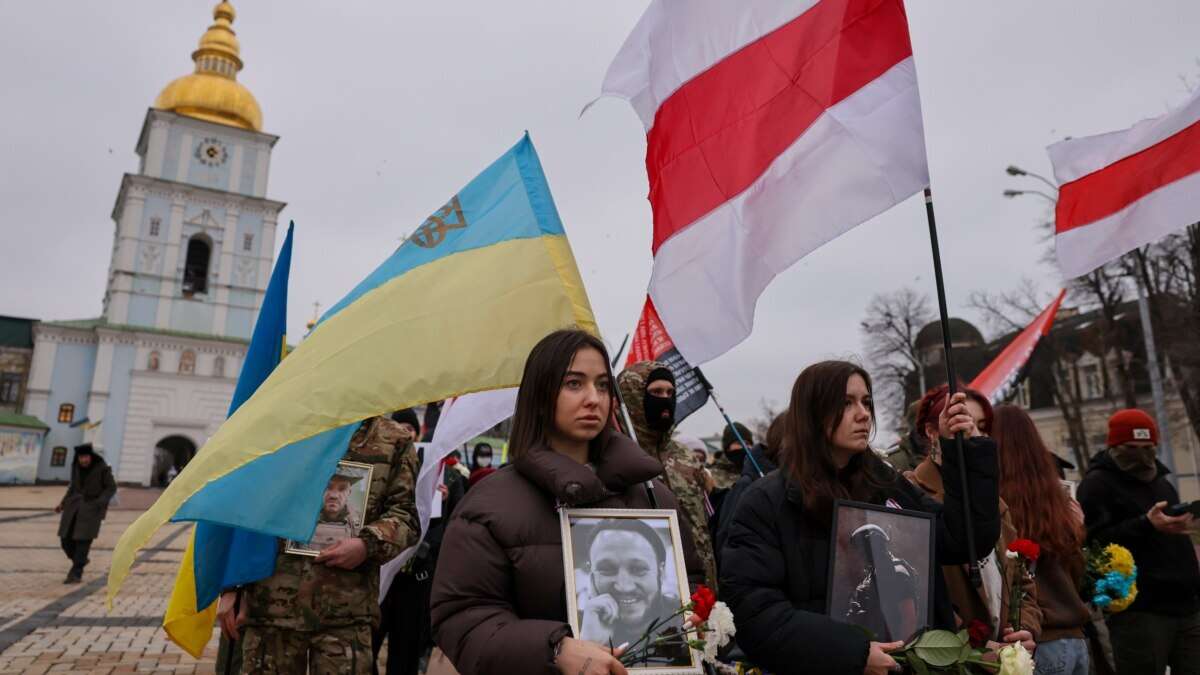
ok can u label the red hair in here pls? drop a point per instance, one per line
(1039, 506)
(934, 400)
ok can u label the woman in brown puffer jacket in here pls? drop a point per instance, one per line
(499, 594)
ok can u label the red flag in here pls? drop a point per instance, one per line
(652, 343)
(999, 376)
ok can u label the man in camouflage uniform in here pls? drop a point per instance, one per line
(317, 613)
(910, 451)
(653, 418)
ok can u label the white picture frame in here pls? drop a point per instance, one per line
(357, 477)
(626, 555)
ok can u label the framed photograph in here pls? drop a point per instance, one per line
(342, 508)
(624, 569)
(881, 569)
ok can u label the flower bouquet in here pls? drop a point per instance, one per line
(1111, 577)
(708, 627)
(1025, 552)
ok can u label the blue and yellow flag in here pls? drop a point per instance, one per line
(455, 309)
(218, 556)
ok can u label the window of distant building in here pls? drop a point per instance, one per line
(195, 267)
(155, 224)
(187, 362)
(10, 387)
(1092, 381)
(66, 413)
(219, 366)
(153, 361)
(247, 242)
(58, 456)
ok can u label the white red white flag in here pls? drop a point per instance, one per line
(996, 380)
(1125, 189)
(772, 127)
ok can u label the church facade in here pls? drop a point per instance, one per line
(150, 379)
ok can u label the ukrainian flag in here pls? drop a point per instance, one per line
(218, 556)
(455, 309)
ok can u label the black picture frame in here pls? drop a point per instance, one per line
(857, 592)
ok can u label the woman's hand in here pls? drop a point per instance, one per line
(598, 615)
(229, 621)
(582, 657)
(1022, 636)
(955, 418)
(878, 661)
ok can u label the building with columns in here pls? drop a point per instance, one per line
(150, 379)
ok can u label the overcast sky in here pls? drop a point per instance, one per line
(386, 109)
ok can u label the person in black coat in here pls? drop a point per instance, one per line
(766, 457)
(1123, 496)
(775, 562)
(84, 507)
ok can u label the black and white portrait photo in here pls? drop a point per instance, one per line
(880, 569)
(342, 507)
(624, 571)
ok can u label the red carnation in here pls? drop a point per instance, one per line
(451, 461)
(702, 602)
(979, 632)
(1027, 548)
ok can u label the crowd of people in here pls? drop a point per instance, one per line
(487, 583)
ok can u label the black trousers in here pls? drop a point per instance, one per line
(77, 550)
(405, 623)
(1145, 643)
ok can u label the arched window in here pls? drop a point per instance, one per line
(153, 361)
(66, 413)
(187, 362)
(219, 366)
(195, 266)
(58, 456)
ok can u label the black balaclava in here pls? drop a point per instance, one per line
(728, 438)
(660, 411)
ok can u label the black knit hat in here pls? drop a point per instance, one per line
(660, 374)
(728, 438)
(407, 416)
(85, 449)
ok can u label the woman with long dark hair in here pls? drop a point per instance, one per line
(776, 559)
(499, 596)
(1042, 510)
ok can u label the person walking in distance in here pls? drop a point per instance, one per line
(84, 507)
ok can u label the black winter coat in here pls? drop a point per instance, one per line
(1114, 508)
(86, 503)
(723, 518)
(775, 564)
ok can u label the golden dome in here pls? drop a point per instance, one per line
(212, 92)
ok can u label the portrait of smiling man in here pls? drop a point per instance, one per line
(626, 563)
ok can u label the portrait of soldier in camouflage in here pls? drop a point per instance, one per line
(342, 506)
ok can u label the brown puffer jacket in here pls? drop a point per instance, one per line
(499, 595)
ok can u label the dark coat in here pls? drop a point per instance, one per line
(724, 515)
(86, 503)
(1114, 509)
(499, 594)
(775, 564)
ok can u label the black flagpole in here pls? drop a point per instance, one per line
(952, 383)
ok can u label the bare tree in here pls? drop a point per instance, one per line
(890, 331)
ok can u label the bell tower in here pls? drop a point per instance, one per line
(195, 233)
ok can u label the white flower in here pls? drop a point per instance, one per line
(1014, 660)
(1011, 555)
(718, 630)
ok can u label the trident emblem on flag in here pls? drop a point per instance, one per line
(433, 231)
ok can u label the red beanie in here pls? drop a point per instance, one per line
(1131, 424)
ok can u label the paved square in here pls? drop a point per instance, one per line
(50, 627)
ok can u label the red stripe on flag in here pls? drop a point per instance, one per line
(720, 131)
(1102, 193)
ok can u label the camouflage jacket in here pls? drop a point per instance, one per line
(302, 595)
(683, 473)
(725, 473)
